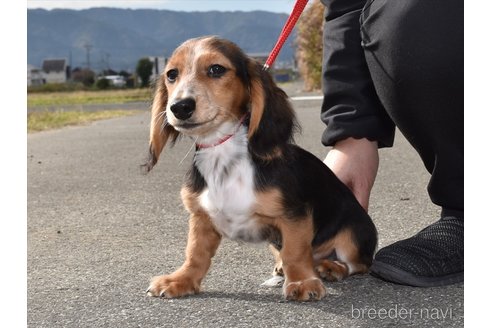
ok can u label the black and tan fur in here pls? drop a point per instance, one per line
(315, 226)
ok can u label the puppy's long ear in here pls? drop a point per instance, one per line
(272, 121)
(257, 97)
(160, 130)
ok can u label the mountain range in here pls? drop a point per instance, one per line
(117, 38)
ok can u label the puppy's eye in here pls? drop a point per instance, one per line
(172, 75)
(216, 71)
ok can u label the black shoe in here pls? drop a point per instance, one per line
(433, 257)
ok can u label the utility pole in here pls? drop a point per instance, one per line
(88, 48)
(107, 61)
(70, 67)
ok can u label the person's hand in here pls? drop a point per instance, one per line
(355, 162)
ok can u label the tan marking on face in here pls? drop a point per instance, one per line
(217, 99)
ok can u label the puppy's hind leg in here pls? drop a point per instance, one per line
(337, 270)
(348, 259)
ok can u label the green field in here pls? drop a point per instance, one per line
(89, 97)
(46, 120)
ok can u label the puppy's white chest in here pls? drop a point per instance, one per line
(229, 197)
(231, 207)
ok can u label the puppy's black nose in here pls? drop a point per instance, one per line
(184, 108)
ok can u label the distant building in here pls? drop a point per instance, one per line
(281, 71)
(34, 76)
(158, 68)
(117, 81)
(261, 57)
(56, 70)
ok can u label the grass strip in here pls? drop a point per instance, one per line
(88, 97)
(41, 121)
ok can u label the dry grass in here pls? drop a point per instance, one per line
(40, 121)
(310, 45)
(88, 97)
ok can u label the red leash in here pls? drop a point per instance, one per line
(288, 27)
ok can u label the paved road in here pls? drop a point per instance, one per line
(98, 230)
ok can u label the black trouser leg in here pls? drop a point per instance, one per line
(414, 51)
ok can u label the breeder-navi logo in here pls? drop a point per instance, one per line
(399, 312)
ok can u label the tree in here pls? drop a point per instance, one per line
(85, 76)
(109, 71)
(124, 74)
(144, 71)
(309, 42)
(103, 84)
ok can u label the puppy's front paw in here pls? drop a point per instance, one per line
(172, 286)
(311, 289)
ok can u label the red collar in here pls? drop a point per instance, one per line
(223, 139)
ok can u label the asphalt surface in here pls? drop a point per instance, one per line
(98, 230)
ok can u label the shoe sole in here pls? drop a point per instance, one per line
(389, 273)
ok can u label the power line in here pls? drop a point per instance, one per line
(88, 48)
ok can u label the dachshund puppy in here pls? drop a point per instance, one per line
(248, 180)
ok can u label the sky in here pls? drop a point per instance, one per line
(280, 6)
